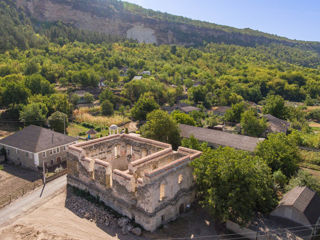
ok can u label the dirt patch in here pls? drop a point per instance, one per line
(7, 129)
(57, 219)
(15, 182)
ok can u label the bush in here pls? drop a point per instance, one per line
(87, 125)
(107, 108)
(279, 178)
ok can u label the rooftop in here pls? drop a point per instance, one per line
(304, 200)
(36, 139)
(219, 138)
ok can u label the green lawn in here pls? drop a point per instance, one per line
(75, 129)
(1, 167)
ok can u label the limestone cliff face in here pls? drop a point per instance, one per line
(113, 18)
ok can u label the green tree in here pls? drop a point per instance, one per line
(234, 184)
(275, 106)
(183, 118)
(32, 67)
(59, 102)
(58, 121)
(194, 143)
(34, 113)
(160, 126)
(145, 105)
(39, 85)
(74, 99)
(106, 108)
(301, 179)
(234, 114)
(251, 125)
(107, 94)
(89, 98)
(280, 152)
(15, 93)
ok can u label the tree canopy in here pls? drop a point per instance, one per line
(234, 184)
(160, 126)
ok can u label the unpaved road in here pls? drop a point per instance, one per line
(32, 200)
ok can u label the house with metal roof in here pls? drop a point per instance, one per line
(300, 205)
(276, 125)
(216, 138)
(35, 146)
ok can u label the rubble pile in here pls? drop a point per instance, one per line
(102, 217)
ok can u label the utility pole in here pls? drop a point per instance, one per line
(64, 125)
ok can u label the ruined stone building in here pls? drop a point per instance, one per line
(140, 178)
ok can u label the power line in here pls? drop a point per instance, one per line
(274, 231)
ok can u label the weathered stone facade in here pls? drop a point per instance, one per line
(142, 179)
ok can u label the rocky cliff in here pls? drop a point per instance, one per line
(127, 20)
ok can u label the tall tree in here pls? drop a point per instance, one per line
(145, 105)
(275, 106)
(251, 125)
(34, 113)
(58, 121)
(234, 184)
(160, 126)
(280, 152)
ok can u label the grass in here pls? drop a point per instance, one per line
(311, 108)
(1, 167)
(85, 115)
(74, 129)
(310, 157)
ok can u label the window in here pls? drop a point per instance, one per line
(180, 179)
(51, 162)
(64, 148)
(8, 152)
(58, 150)
(54, 151)
(44, 154)
(27, 154)
(50, 152)
(162, 192)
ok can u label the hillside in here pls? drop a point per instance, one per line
(128, 20)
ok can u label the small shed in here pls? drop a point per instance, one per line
(276, 125)
(300, 205)
(137, 78)
(91, 133)
(189, 109)
(220, 110)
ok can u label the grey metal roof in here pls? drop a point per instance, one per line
(36, 139)
(219, 138)
(188, 109)
(276, 124)
(304, 200)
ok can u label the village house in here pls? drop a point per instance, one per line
(146, 73)
(137, 78)
(220, 110)
(216, 138)
(143, 179)
(300, 205)
(34, 146)
(276, 125)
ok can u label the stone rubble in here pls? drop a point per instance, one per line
(85, 209)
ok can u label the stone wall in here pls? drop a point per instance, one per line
(145, 180)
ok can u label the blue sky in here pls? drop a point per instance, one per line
(295, 19)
